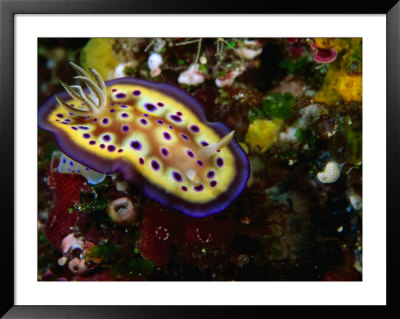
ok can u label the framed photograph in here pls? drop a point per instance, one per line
(162, 156)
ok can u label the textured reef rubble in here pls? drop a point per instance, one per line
(296, 108)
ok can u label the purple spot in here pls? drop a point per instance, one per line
(176, 118)
(155, 165)
(150, 107)
(87, 168)
(57, 120)
(179, 113)
(146, 115)
(160, 122)
(164, 152)
(120, 150)
(194, 128)
(204, 143)
(125, 115)
(92, 142)
(71, 163)
(105, 120)
(124, 106)
(220, 162)
(64, 161)
(185, 137)
(177, 176)
(198, 188)
(74, 128)
(60, 115)
(102, 146)
(184, 188)
(136, 145)
(67, 120)
(213, 183)
(112, 110)
(210, 174)
(125, 128)
(88, 117)
(200, 163)
(160, 104)
(86, 135)
(167, 136)
(112, 104)
(171, 127)
(106, 138)
(190, 154)
(136, 92)
(141, 161)
(114, 90)
(78, 171)
(71, 114)
(143, 121)
(95, 119)
(111, 148)
(64, 122)
(120, 95)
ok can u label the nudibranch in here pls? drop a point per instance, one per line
(155, 134)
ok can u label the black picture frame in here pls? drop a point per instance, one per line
(8, 10)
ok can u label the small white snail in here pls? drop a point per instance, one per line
(330, 173)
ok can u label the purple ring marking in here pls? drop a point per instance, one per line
(146, 115)
(210, 174)
(92, 142)
(112, 110)
(150, 107)
(136, 92)
(83, 127)
(111, 148)
(86, 135)
(177, 176)
(106, 138)
(120, 150)
(125, 115)
(74, 128)
(120, 95)
(155, 165)
(164, 152)
(167, 136)
(194, 128)
(143, 121)
(204, 143)
(220, 162)
(160, 122)
(160, 104)
(171, 127)
(125, 128)
(176, 118)
(60, 115)
(102, 146)
(190, 153)
(64, 160)
(198, 188)
(104, 121)
(213, 183)
(71, 163)
(95, 119)
(185, 137)
(200, 163)
(141, 161)
(136, 145)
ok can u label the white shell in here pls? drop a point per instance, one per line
(330, 173)
(191, 76)
(154, 62)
